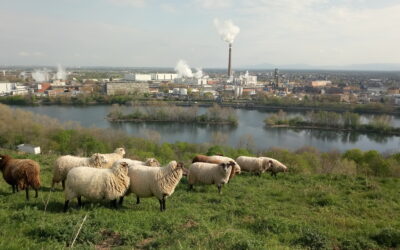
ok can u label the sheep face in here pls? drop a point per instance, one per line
(124, 167)
(152, 162)
(120, 151)
(3, 161)
(225, 166)
(267, 164)
(98, 159)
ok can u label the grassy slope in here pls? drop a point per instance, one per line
(292, 211)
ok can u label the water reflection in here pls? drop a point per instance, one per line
(250, 131)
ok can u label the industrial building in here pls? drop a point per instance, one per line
(246, 80)
(125, 88)
(7, 88)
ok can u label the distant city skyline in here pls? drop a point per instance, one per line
(154, 33)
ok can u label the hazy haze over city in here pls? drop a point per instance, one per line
(155, 33)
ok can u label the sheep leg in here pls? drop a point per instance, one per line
(13, 188)
(219, 188)
(161, 205)
(164, 206)
(190, 187)
(36, 193)
(114, 203)
(121, 199)
(137, 200)
(27, 193)
(66, 206)
(79, 201)
(63, 184)
(16, 187)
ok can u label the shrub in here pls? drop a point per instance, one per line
(388, 237)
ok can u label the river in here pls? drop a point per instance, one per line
(250, 130)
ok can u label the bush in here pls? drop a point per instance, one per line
(388, 237)
(312, 239)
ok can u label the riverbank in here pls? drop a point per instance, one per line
(161, 112)
(324, 120)
(371, 108)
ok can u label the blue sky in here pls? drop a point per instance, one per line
(141, 33)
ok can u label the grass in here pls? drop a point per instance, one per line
(294, 211)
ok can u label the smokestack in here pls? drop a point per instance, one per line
(229, 61)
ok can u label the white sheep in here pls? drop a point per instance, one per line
(150, 162)
(96, 184)
(276, 166)
(155, 181)
(209, 173)
(216, 159)
(113, 157)
(254, 164)
(65, 163)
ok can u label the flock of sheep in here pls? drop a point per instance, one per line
(111, 177)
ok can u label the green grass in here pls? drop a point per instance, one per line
(294, 211)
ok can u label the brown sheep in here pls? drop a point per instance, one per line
(218, 159)
(20, 173)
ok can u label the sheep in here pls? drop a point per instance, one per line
(150, 162)
(276, 166)
(96, 184)
(216, 159)
(155, 181)
(113, 157)
(65, 163)
(210, 173)
(20, 174)
(254, 164)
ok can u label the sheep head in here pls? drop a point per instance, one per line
(267, 164)
(152, 162)
(98, 160)
(120, 151)
(3, 161)
(225, 166)
(124, 167)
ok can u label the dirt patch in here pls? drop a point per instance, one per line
(189, 224)
(111, 239)
(142, 244)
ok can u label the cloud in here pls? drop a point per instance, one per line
(214, 4)
(132, 3)
(23, 53)
(27, 54)
(168, 8)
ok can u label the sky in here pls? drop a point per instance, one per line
(158, 33)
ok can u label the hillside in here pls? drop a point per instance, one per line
(292, 211)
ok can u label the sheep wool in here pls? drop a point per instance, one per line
(65, 163)
(113, 157)
(209, 173)
(97, 184)
(150, 162)
(20, 173)
(216, 159)
(155, 181)
(253, 164)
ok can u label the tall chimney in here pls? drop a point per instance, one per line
(229, 62)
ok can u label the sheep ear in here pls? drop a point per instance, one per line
(223, 165)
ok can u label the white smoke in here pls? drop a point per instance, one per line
(61, 73)
(199, 73)
(183, 69)
(41, 75)
(226, 29)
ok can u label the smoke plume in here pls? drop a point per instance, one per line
(226, 29)
(61, 73)
(41, 75)
(183, 69)
(199, 73)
